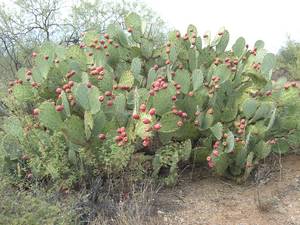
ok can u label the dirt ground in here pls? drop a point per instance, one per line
(272, 198)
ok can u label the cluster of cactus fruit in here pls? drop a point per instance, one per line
(118, 86)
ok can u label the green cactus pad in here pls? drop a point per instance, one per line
(183, 78)
(206, 121)
(191, 104)
(263, 111)
(93, 95)
(49, 117)
(262, 149)
(40, 73)
(65, 102)
(217, 130)
(249, 107)
(272, 119)
(268, 63)
(193, 62)
(11, 147)
(199, 154)
(168, 122)
(281, 147)
(140, 128)
(133, 21)
(198, 43)
(146, 48)
(222, 44)
(259, 44)
(185, 150)
(99, 123)
(88, 124)
(230, 142)
(239, 47)
(21, 74)
(127, 79)
(87, 97)
(187, 131)
(13, 126)
(119, 109)
(192, 30)
(223, 72)
(221, 163)
(23, 93)
(162, 100)
(81, 95)
(136, 66)
(73, 128)
(249, 167)
(116, 33)
(77, 57)
(106, 83)
(207, 39)
(152, 75)
(90, 37)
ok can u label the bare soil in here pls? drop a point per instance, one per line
(272, 197)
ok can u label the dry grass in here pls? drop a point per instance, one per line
(125, 219)
(136, 206)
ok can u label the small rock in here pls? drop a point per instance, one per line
(160, 212)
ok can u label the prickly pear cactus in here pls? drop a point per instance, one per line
(119, 87)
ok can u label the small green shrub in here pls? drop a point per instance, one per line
(96, 106)
(21, 207)
(288, 60)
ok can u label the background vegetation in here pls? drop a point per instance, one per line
(28, 24)
(288, 60)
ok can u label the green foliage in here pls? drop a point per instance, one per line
(21, 207)
(120, 94)
(113, 159)
(239, 47)
(23, 93)
(49, 117)
(167, 122)
(162, 101)
(217, 130)
(20, 37)
(197, 79)
(167, 159)
(288, 60)
(73, 128)
(249, 107)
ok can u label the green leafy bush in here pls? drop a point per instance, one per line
(288, 60)
(116, 100)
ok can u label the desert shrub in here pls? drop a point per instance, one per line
(120, 204)
(116, 101)
(22, 207)
(288, 60)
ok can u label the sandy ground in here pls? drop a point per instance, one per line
(272, 198)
